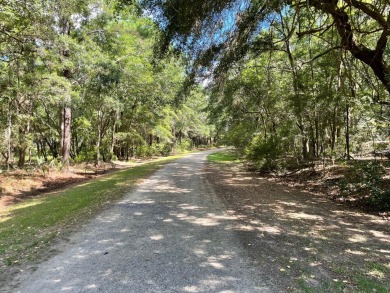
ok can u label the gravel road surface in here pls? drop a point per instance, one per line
(171, 234)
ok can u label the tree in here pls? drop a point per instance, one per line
(218, 33)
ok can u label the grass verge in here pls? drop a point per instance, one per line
(28, 228)
(226, 156)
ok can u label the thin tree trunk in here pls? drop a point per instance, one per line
(8, 135)
(333, 128)
(113, 137)
(347, 142)
(99, 138)
(24, 133)
(66, 136)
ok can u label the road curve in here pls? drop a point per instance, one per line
(170, 234)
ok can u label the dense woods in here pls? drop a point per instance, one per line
(77, 84)
(290, 84)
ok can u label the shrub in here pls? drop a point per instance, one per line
(264, 153)
(368, 176)
(184, 145)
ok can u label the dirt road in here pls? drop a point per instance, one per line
(169, 235)
(194, 227)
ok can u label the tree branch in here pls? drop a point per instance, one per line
(313, 31)
(371, 11)
(321, 54)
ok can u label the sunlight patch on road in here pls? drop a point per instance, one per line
(355, 252)
(357, 238)
(199, 252)
(269, 229)
(380, 235)
(92, 286)
(201, 221)
(185, 206)
(157, 237)
(244, 228)
(304, 216)
(213, 264)
(190, 289)
(222, 217)
(163, 186)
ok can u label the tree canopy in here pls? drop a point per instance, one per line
(217, 34)
(77, 83)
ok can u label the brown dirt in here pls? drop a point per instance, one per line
(326, 184)
(301, 237)
(17, 185)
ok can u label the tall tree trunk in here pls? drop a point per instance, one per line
(347, 142)
(113, 135)
(67, 110)
(8, 135)
(317, 134)
(352, 87)
(333, 129)
(99, 138)
(24, 133)
(66, 135)
(288, 32)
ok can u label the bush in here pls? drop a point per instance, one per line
(185, 145)
(372, 179)
(264, 154)
(368, 176)
(166, 149)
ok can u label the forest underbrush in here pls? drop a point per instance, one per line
(362, 183)
(22, 183)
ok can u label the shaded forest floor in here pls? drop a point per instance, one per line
(307, 242)
(19, 184)
(340, 183)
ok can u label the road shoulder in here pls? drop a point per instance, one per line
(309, 243)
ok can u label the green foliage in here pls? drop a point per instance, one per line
(219, 34)
(264, 154)
(97, 62)
(367, 177)
(371, 178)
(183, 146)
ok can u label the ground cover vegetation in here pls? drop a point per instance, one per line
(294, 85)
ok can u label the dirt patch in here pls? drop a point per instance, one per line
(339, 183)
(17, 185)
(308, 242)
(21, 184)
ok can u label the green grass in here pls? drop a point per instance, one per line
(370, 279)
(28, 228)
(228, 156)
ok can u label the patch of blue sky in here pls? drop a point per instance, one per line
(218, 28)
(4, 58)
